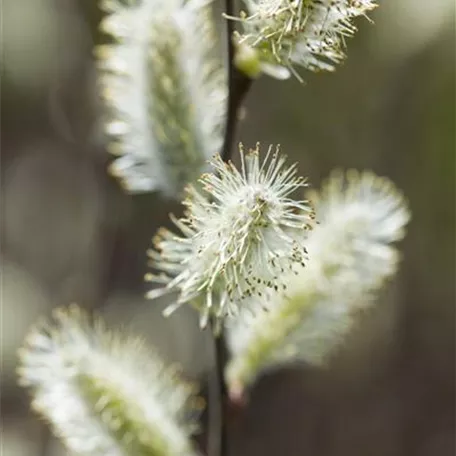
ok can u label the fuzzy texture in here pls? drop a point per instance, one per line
(103, 393)
(307, 33)
(238, 237)
(350, 256)
(165, 92)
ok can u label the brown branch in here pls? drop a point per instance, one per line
(217, 439)
(238, 86)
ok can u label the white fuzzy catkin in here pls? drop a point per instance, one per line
(165, 92)
(104, 393)
(350, 256)
(238, 236)
(308, 33)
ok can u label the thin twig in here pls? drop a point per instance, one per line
(44, 441)
(238, 86)
(217, 443)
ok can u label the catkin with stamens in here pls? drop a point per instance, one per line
(238, 236)
(307, 33)
(350, 256)
(105, 393)
(164, 90)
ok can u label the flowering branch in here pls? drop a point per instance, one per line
(241, 255)
(238, 86)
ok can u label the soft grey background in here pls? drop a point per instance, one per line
(70, 234)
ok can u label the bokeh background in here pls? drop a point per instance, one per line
(69, 234)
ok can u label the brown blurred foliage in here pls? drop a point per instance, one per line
(70, 234)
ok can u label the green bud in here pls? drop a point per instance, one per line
(247, 60)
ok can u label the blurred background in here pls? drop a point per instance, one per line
(69, 234)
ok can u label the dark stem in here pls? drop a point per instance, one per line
(45, 440)
(238, 86)
(217, 439)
